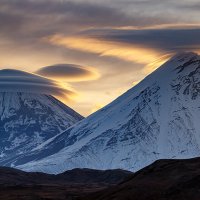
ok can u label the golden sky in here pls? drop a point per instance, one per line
(95, 49)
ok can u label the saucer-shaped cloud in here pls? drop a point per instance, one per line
(19, 81)
(69, 72)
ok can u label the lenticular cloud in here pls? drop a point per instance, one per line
(20, 81)
(70, 72)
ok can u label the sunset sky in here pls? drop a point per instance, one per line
(95, 50)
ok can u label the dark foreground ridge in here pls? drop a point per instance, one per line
(162, 180)
(20, 185)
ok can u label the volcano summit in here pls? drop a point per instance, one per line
(29, 115)
(158, 118)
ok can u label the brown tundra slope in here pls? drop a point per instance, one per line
(162, 180)
(19, 185)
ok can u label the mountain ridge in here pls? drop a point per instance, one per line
(155, 119)
(17, 184)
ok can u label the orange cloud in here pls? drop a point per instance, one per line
(133, 53)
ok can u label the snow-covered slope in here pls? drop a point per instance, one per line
(29, 119)
(158, 118)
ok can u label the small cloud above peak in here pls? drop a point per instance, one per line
(69, 72)
(184, 55)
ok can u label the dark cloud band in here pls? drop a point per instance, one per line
(164, 39)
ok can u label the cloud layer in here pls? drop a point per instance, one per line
(19, 81)
(171, 39)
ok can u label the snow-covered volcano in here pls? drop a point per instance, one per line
(158, 118)
(28, 119)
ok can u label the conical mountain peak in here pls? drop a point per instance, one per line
(184, 55)
(184, 58)
(156, 119)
